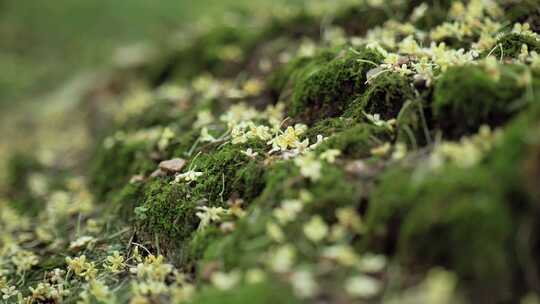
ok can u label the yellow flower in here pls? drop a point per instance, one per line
(206, 136)
(362, 286)
(381, 150)
(24, 260)
(304, 284)
(288, 211)
(99, 290)
(225, 281)
(208, 215)
(330, 155)
(343, 254)
(115, 262)
(309, 166)
(282, 259)
(274, 232)
(316, 229)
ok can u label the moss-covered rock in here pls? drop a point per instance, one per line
(456, 218)
(468, 96)
(169, 209)
(325, 90)
(385, 95)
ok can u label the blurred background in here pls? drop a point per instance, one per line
(48, 49)
(42, 43)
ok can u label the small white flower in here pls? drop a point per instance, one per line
(316, 229)
(304, 284)
(309, 166)
(188, 176)
(288, 211)
(255, 276)
(210, 214)
(83, 241)
(362, 286)
(274, 232)
(225, 281)
(330, 155)
(282, 259)
(372, 263)
(381, 150)
(206, 136)
(249, 153)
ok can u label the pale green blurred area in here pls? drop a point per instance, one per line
(43, 42)
(49, 47)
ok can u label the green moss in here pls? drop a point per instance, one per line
(184, 145)
(357, 141)
(20, 167)
(385, 95)
(329, 126)
(283, 181)
(243, 247)
(282, 81)
(413, 123)
(435, 15)
(206, 53)
(159, 113)
(193, 250)
(457, 218)
(525, 11)
(169, 210)
(227, 171)
(348, 18)
(512, 43)
(112, 167)
(124, 201)
(325, 90)
(468, 96)
(264, 293)
(167, 216)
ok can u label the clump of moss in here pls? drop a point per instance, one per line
(468, 96)
(227, 171)
(385, 95)
(283, 182)
(166, 212)
(456, 218)
(281, 82)
(510, 45)
(358, 140)
(114, 166)
(326, 90)
(169, 209)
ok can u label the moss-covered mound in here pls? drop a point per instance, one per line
(343, 152)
